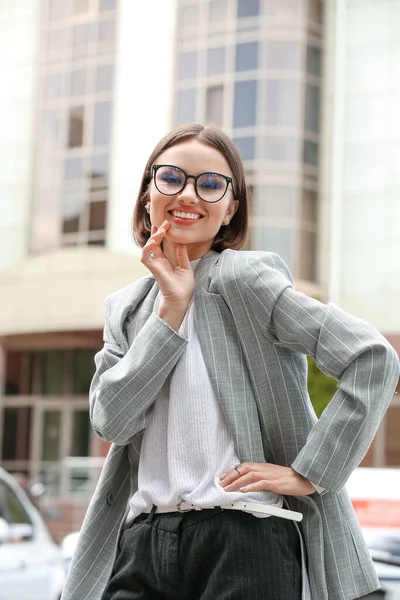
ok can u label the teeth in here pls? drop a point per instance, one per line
(185, 215)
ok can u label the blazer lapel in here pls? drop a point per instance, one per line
(223, 358)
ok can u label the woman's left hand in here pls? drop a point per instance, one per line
(256, 477)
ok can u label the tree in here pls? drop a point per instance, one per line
(320, 387)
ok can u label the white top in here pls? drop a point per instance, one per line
(187, 445)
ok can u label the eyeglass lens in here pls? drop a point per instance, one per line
(210, 187)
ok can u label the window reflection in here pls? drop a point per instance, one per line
(311, 153)
(97, 216)
(107, 31)
(247, 56)
(73, 168)
(78, 82)
(107, 4)
(104, 78)
(246, 147)
(280, 148)
(283, 55)
(275, 239)
(282, 102)
(53, 86)
(216, 61)
(245, 103)
(102, 123)
(214, 104)
(76, 127)
(314, 61)
(218, 10)
(248, 8)
(308, 255)
(187, 68)
(312, 108)
(100, 165)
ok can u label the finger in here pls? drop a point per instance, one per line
(153, 229)
(239, 483)
(260, 486)
(182, 256)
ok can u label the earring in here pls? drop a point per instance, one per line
(226, 221)
(147, 207)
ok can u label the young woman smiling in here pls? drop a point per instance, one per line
(221, 483)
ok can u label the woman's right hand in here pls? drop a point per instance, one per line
(176, 282)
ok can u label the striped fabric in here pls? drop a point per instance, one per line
(255, 331)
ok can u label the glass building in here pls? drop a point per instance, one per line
(254, 67)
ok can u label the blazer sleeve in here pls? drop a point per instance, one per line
(344, 347)
(125, 385)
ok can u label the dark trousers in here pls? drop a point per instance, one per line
(207, 555)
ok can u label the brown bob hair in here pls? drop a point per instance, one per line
(229, 236)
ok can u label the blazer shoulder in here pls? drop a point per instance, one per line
(243, 266)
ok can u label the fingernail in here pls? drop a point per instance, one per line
(243, 489)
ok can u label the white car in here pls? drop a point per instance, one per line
(32, 566)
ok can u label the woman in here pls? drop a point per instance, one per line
(202, 388)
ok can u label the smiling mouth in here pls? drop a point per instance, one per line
(185, 215)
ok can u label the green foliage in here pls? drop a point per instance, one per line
(320, 387)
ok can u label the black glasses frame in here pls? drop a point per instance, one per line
(195, 177)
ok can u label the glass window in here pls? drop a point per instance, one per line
(107, 31)
(78, 82)
(246, 147)
(104, 78)
(312, 107)
(275, 239)
(13, 381)
(73, 168)
(247, 56)
(280, 148)
(76, 127)
(283, 55)
(53, 373)
(282, 102)
(218, 10)
(71, 214)
(245, 103)
(186, 106)
(189, 16)
(308, 255)
(314, 61)
(187, 68)
(97, 216)
(248, 8)
(309, 206)
(216, 61)
(214, 104)
(53, 86)
(108, 4)
(276, 201)
(17, 428)
(100, 165)
(84, 369)
(311, 153)
(315, 11)
(80, 433)
(102, 123)
(51, 435)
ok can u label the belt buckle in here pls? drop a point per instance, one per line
(182, 510)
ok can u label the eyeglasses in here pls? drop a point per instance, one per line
(210, 187)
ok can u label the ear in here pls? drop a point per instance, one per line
(232, 208)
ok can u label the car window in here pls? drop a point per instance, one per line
(11, 508)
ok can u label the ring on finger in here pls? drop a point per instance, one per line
(151, 255)
(237, 468)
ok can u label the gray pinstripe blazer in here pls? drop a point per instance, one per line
(255, 331)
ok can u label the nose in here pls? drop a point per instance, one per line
(188, 194)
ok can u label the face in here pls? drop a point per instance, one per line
(193, 221)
